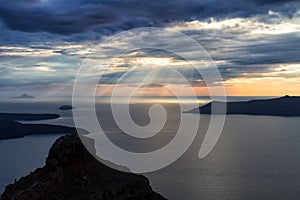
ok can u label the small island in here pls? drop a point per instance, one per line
(23, 96)
(66, 107)
(287, 106)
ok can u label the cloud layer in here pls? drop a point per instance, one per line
(44, 41)
(76, 16)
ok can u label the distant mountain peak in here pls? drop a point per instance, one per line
(287, 97)
(23, 96)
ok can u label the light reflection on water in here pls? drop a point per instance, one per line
(257, 157)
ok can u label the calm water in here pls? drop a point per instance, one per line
(257, 157)
(23, 155)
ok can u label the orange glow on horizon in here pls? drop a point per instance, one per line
(275, 86)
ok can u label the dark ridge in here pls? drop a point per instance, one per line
(284, 106)
(72, 173)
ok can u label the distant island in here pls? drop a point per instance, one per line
(23, 96)
(66, 107)
(71, 172)
(11, 128)
(284, 106)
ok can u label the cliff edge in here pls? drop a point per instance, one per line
(73, 173)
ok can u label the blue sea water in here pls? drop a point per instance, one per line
(23, 155)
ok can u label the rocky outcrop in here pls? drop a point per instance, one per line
(71, 172)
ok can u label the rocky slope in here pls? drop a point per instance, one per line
(72, 173)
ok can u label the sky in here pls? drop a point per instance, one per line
(254, 43)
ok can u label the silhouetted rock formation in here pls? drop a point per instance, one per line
(283, 106)
(73, 173)
(23, 96)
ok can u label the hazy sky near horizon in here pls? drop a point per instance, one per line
(255, 43)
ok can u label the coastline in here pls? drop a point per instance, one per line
(286, 106)
(10, 127)
(70, 172)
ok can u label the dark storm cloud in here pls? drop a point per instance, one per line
(263, 2)
(75, 16)
(49, 27)
(275, 50)
(40, 19)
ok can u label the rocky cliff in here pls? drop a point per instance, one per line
(72, 173)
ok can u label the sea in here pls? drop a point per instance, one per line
(256, 157)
